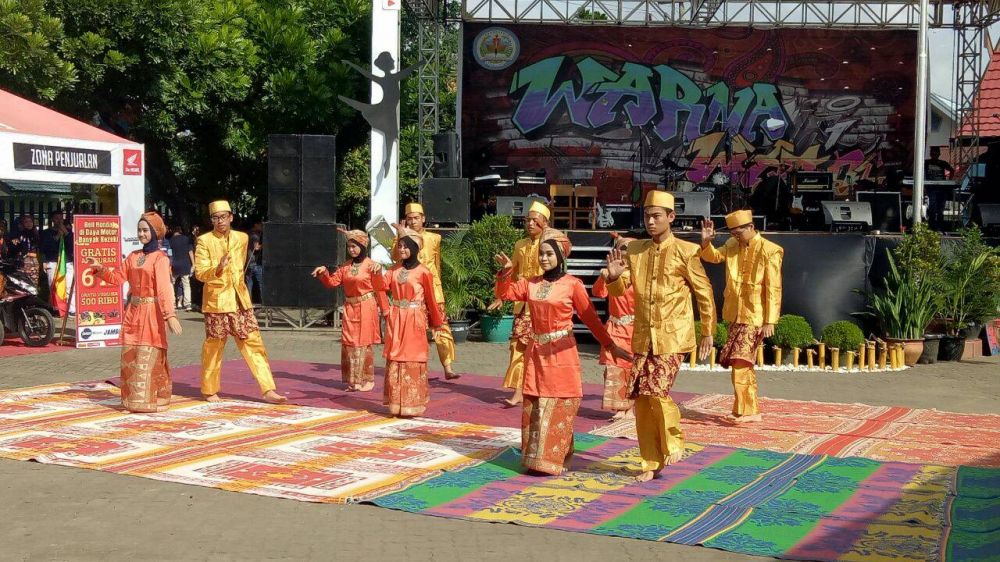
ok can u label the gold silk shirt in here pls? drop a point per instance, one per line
(753, 280)
(664, 276)
(227, 292)
(430, 257)
(525, 262)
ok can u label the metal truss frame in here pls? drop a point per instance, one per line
(970, 21)
(429, 29)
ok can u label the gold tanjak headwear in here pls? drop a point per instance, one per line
(413, 208)
(657, 198)
(560, 238)
(358, 236)
(410, 233)
(541, 209)
(739, 218)
(219, 207)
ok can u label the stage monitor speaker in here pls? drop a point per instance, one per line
(887, 209)
(847, 215)
(291, 252)
(301, 178)
(446, 156)
(446, 200)
(693, 204)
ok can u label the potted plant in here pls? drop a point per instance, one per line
(843, 335)
(968, 295)
(487, 237)
(790, 332)
(460, 267)
(904, 307)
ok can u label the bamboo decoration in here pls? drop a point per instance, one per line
(777, 355)
(711, 358)
(795, 357)
(822, 356)
(835, 358)
(894, 356)
(760, 355)
(850, 360)
(882, 354)
(809, 358)
(871, 356)
(861, 356)
(694, 358)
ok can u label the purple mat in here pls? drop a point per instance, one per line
(472, 398)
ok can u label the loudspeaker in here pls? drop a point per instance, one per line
(839, 214)
(887, 210)
(693, 204)
(807, 181)
(291, 252)
(301, 178)
(990, 213)
(446, 163)
(446, 200)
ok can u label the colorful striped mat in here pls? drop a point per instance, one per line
(810, 507)
(883, 433)
(295, 452)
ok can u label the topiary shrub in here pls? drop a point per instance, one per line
(843, 335)
(792, 331)
(721, 332)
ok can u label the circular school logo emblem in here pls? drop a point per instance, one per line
(495, 48)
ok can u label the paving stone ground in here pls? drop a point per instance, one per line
(60, 513)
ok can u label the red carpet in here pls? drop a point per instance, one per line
(472, 398)
(13, 347)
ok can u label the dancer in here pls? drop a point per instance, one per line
(430, 257)
(145, 373)
(412, 287)
(621, 317)
(664, 272)
(752, 302)
(552, 385)
(360, 319)
(218, 263)
(524, 266)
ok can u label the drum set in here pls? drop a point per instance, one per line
(727, 189)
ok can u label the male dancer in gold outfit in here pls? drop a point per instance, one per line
(752, 302)
(664, 272)
(526, 266)
(430, 257)
(218, 263)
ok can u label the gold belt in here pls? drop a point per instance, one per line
(136, 301)
(551, 336)
(626, 320)
(355, 300)
(406, 303)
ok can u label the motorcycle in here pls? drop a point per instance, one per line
(21, 310)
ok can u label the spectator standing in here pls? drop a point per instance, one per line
(255, 261)
(58, 231)
(182, 257)
(22, 247)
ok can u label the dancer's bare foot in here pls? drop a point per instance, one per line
(450, 375)
(366, 387)
(674, 458)
(212, 398)
(618, 415)
(272, 397)
(629, 414)
(514, 400)
(748, 419)
(646, 476)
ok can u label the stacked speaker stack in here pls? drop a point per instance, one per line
(301, 228)
(445, 196)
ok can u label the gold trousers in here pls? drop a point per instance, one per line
(515, 369)
(253, 353)
(445, 344)
(745, 392)
(657, 423)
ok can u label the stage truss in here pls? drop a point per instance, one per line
(968, 19)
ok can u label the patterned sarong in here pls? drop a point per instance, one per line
(357, 365)
(654, 375)
(616, 389)
(406, 392)
(547, 433)
(146, 385)
(219, 325)
(741, 346)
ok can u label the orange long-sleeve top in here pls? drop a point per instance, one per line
(552, 369)
(360, 324)
(619, 307)
(406, 325)
(145, 324)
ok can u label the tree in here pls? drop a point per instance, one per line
(31, 63)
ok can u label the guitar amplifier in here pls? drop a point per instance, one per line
(814, 181)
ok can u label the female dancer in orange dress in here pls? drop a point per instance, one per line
(360, 321)
(412, 302)
(145, 374)
(552, 385)
(621, 318)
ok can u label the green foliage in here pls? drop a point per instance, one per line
(584, 14)
(462, 269)
(487, 237)
(906, 304)
(843, 335)
(31, 62)
(970, 282)
(920, 253)
(721, 332)
(354, 186)
(792, 331)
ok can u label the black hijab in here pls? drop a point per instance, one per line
(411, 244)
(153, 244)
(559, 270)
(361, 255)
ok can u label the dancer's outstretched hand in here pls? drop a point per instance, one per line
(175, 326)
(319, 270)
(616, 264)
(495, 305)
(767, 331)
(704, 347)
(707, 231)
(503, 261)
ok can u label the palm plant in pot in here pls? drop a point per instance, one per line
(969, 294)
(904, 307)
(487, 237)
(461, 268)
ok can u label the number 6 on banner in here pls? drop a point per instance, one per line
(87, 277)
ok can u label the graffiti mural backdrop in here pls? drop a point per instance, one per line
(619, 107)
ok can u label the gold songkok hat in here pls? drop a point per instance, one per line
(739, 218)
(410, 233)
(358, 236)
(657, 198)
(219, 206)
(541, 209)
(560, 238)
(413, 208)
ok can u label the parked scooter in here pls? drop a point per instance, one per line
(21, 310)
